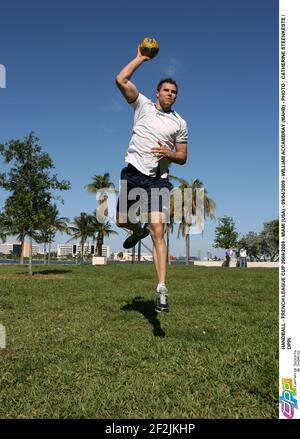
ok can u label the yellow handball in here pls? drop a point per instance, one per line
(149, 47)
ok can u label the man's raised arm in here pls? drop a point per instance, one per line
(127, 88)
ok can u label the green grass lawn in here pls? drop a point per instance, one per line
(85, 342)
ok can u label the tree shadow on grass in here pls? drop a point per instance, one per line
(49, 271)
(147, 308)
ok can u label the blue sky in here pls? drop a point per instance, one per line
(61, 58)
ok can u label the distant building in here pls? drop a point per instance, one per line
(64, 250)
(15, 247)
(127, 256)
(106, 251)
(6, 248)
(35, 249)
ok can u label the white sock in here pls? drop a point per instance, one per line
(161, 284)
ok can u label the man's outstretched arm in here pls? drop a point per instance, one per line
(127, 88)
(179, 157)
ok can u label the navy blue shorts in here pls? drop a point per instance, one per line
(154, 196)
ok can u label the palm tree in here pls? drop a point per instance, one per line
(42, 236)
(82, 228)
(50, 226)
(101, 230)
(101, 182)
(139, 250)
(57, 224)
(209, 210)
(3, 236)
(3, 228)
(8, 227)
(169, 228)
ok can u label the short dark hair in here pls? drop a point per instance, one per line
(169, 81)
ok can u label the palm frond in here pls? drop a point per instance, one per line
(91, 188)
(182, 181)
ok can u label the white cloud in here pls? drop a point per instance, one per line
(113, 105)
(172, 67)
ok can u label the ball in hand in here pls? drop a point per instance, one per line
(149, 47)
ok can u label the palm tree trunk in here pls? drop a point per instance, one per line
(22, 250)
(82, 248)
(49, 252)
(168, 244)
(187, 246)
(30, 256)
(139, 250)
(45, 252)
(133, 255)
(99, 243)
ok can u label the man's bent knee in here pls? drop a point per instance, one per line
(157, 218)
(157, 231)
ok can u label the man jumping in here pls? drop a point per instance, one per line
(159, 136)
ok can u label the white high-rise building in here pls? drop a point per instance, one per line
(6, 248)
(64, 250)
(106, 251)
(15, 247)
(127, 256)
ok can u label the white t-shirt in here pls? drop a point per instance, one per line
(149, 126)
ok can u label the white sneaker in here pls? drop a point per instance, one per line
(162, 301)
